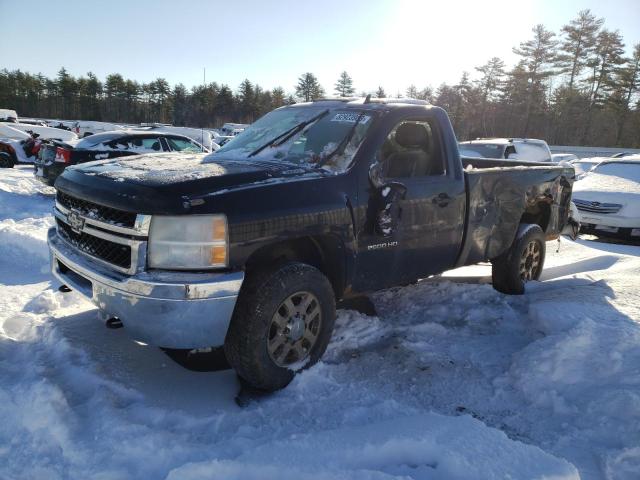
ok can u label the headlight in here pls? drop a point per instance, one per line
(189, 242)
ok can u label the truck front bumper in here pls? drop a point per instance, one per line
(166, 309)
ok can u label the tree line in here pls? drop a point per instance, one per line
(575, 87)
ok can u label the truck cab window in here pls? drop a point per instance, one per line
(411, 150)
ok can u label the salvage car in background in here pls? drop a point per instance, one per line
(528, 149)
(54, 157)
(608, 197)
(22, 145)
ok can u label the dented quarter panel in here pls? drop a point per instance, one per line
(498, 197)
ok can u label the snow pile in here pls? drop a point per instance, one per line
(424, 445)
(451, 380)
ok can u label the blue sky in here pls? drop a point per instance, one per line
(387, 43)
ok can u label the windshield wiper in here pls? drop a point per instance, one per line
(342, 145)
(284, 136)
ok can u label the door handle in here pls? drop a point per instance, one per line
(442, 199)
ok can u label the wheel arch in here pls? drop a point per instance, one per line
(324, 252)
(538, 214)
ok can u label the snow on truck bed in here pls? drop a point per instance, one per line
(451, 380)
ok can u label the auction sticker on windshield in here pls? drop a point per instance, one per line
(350, 118)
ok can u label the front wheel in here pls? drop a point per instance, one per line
(522, 262)
(282, 324)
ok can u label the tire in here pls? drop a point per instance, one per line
(6, 160)
(522, 262)
(269, 331)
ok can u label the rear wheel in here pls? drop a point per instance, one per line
(523, 261)
(6, 160)
(282, 324)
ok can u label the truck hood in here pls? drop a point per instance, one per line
(161, 183)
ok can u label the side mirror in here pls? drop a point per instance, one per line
(376, 175)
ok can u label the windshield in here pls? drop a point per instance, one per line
(482, 150)
(330, 140)
(629, 171)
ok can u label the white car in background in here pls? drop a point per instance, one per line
(608, 197)
(528, 149)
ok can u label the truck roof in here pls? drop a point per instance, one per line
(359, 103)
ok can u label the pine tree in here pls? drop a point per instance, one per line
(426, 94)
(627, 85)
(578, 44)
(538, 56)
(608, 56)
(308, 87)
(380, 93)
(247, 99)
(492, 79)
(278, 98)
(344, 85)
(489, 86)
(412, 91)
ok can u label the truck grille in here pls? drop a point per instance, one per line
(111, 252)
(597, 207)
(97, 212)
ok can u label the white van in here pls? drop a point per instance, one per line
(528, 149)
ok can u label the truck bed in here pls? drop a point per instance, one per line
(498, 191)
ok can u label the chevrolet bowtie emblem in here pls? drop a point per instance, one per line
(75, 221)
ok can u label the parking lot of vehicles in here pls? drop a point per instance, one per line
(608, 197)
(251, 247)
(528, 149)
(54, 157)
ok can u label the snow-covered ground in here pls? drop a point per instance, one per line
(451, 380)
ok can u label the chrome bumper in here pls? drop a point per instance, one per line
(167, 309)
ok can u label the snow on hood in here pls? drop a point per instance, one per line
(162, 167)
(595, 186)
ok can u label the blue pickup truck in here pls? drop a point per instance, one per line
(250, 247)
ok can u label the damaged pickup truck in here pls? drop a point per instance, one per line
(251, 247)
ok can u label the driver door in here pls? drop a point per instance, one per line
(415, 212)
